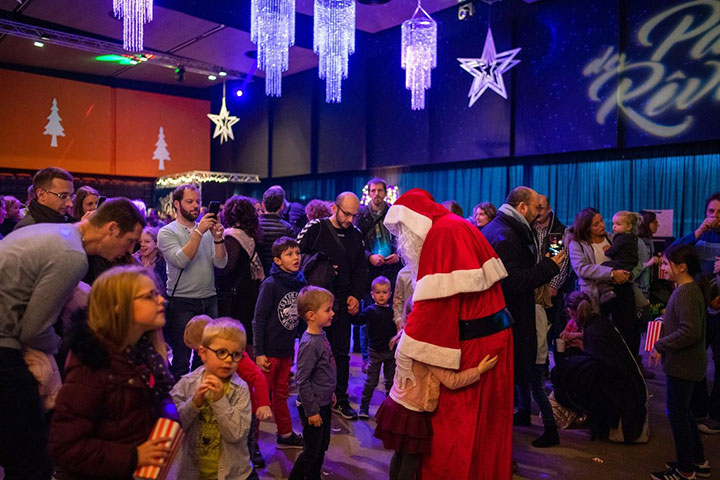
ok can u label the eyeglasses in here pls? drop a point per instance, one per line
(152, 295)
(61, 196)
(351, 215)
(222, 354)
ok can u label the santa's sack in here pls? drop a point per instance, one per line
(164, 427)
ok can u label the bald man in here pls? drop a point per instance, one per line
(342, 242)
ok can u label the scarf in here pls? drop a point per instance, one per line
(294, 281)
(152, 367)
(42, 214)
(248, 244)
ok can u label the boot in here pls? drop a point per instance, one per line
(549, 438)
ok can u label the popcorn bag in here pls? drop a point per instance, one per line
(164, 427)
(653, 333)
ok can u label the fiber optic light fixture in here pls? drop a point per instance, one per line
(135, 13)
(272, 28)
(334, 42)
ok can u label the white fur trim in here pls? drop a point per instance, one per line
(442, 357)
(415, 222)
(443, 285)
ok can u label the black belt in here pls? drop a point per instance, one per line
(485, 326)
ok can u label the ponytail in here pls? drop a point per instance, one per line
(582, 305)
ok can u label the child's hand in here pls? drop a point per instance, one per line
(394, 340)
(263, 362)
(655, 358)
(334, 400)
(315, 420)
(153, 452)
(200, 394)
(606, 248)
(487, 363)
(263, 413)
(214, 387)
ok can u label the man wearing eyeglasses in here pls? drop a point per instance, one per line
(39, 267)
(54, 198)
(342, 242)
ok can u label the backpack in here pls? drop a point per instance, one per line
(318, 268)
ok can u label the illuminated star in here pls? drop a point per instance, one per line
(488, 69)
(223, 123)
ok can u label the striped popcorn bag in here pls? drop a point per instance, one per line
(653, 333)
(164, 427)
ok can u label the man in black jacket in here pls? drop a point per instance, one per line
(272, 225)
(342, 242)
(513, 239)
(53, 200)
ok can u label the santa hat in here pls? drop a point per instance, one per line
(416, 210)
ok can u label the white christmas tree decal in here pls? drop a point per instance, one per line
(54, 127)
(161, 152)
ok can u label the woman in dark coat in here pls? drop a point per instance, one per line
(604, 382)
(238, 284)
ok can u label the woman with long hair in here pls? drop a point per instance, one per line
(588, 241)
(647, 227)
(117, 382)
(149, 256)
(239, 282)
(484, 213)
(86, 200)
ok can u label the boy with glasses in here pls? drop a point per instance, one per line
(214, 407)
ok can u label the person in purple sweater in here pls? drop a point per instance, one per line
(316, 380)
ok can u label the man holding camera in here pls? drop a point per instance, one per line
(192, 251)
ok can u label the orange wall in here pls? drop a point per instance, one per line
(109, 131)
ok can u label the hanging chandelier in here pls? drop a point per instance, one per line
(334, 42)
(419, 54)
(135, 13)
(272, 28)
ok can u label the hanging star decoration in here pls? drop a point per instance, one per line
(223, 122)
(487, 71)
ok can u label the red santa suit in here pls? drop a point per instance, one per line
(458, 317)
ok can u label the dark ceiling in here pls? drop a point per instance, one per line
(211, 31)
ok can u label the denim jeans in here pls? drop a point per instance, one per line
(23, 431)
(364, 343)
(703, 404)
(386, 360)
(688, 446)
(539, 394)
(178, 313)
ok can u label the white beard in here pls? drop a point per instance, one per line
(409, 247)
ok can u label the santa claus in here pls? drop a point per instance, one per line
(458, 318)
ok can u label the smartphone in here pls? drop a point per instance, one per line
(101, 200)
(556, 244)
(214, 208)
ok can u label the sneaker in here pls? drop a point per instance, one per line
(293, 441)
(702, 470)
(672, 474)
(364, 413)
(257, 458)
(607, 296)
(346, 411)
(709, 426)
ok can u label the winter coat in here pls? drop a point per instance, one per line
(272, 227)
(104, 411)
(514, 243)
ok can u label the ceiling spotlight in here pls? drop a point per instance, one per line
(180, 73)
(222, 73)
(39, 44)
(212, 77)
(239, 93)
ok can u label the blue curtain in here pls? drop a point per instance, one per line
(680, 183)
(677, 183)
